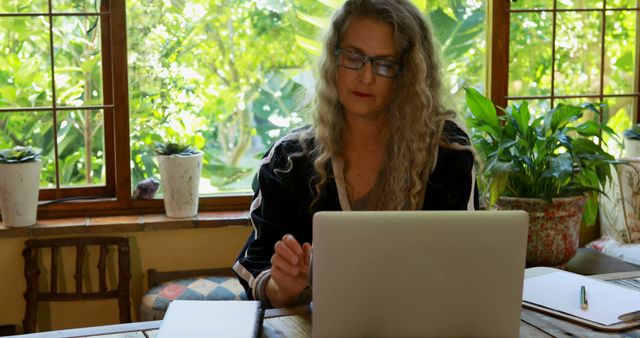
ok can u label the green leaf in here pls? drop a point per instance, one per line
(457, 35)
(561, 116)
(314, 47)
(482, 109)
(499, 179)
(590, 209)
(320, 22)
(333, 4)
(522, 117)
(561, 167)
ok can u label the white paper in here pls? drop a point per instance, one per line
(205, 319)
(560, 291)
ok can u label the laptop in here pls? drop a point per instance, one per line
(418, 273)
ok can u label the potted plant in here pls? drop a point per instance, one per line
(180, 167)
(546, 165)
(19, 185)
(632, 141)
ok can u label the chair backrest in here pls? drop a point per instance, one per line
(33, 256)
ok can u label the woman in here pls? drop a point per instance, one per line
(381, 139)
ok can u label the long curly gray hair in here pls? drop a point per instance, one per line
(416, 112)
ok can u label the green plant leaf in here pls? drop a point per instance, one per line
(482, 109)
(561, 116)
(314, 47)
(590, 209)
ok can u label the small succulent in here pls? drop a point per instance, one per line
(174, 149)
(19, 155)
(632, 133)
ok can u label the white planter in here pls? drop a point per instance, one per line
(631, 148)
(19, 187)
(180, 179)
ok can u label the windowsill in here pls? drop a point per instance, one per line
(147, 222)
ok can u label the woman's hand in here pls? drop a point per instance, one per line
(290, 266)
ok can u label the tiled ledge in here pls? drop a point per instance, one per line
(96, 225)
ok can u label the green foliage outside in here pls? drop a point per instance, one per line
(227, 76)
(231, 76)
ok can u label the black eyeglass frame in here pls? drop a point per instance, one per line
(370, 59)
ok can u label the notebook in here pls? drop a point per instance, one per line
(418, 273)
(559, 293)
(205, 319)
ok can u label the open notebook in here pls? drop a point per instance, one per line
(205, 319)
(558, 292)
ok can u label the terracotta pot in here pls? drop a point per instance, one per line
(180, 180)
(554, 228)
(19, 188)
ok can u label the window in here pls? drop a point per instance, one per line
(564, 51)
(56, 92)
(94, 83)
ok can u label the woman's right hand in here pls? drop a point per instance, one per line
(290, 267)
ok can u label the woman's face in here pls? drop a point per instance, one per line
(361, 92)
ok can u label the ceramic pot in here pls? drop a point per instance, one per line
(554, 227)
(631, 147)
(19, 188)
(180, 179)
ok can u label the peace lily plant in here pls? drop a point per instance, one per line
(534, 161)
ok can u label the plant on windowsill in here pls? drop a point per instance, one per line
(19, 185)
(547, 165)
(632, 141)
(180, 167)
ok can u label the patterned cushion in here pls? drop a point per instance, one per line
(156, 301)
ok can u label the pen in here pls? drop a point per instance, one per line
(583, 298)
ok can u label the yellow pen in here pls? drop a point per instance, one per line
(583, 298)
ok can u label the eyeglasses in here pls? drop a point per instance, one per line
(351, 59)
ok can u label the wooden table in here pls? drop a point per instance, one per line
(296, 322)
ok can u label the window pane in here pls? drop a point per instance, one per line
(461, 30)
(622, 3)
(81, 148)
(228, 77)
(533, 4)
(31, 129)
(78, 72)
(25, 67)
(22, 6)
(621, 117)
(530, 73)
(75, 6)
(579, 4)
(578, 52)
(620, 52)
(222, 76)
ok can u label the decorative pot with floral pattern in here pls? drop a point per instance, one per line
(554, 227)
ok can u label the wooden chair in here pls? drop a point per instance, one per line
(33, 252)
(204, 284)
